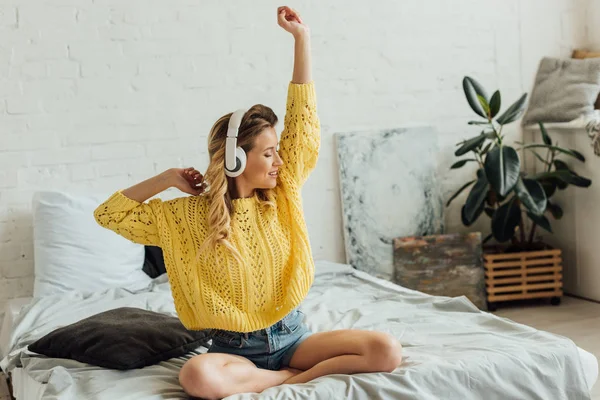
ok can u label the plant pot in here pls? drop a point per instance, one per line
(522, 275)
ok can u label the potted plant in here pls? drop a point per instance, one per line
(510, 197)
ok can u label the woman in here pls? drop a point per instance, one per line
(237, 252)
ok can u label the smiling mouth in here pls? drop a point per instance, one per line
(273, 174)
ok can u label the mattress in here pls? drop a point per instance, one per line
(451, 349)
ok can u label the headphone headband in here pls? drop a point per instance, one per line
(234, 122)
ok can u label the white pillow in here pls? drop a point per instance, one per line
(73, 252)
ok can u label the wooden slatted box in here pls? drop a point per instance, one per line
(524, 275)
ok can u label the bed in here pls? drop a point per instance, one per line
(451, 349)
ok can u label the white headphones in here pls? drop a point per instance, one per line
(235, 157)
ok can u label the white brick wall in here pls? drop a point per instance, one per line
(100, 95)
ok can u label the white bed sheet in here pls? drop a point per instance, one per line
(589, 363)
(341, 298)
(11, 311)
(25, 387)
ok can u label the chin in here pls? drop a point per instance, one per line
(269, 185)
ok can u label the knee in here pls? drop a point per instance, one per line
(197, 378)
(386, 352)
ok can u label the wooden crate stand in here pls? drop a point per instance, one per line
(524, 275)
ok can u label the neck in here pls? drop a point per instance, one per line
(240, 188)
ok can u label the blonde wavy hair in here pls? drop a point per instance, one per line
(220, 186)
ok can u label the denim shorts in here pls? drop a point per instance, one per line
(270, 348)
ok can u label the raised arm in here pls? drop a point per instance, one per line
(127, 214)
(300, 139)
(290, 20)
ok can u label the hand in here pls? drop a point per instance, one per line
(188, 180)
(290, 20)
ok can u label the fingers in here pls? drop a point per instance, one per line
(197, 189)
(297, 16)
(281, 18)
(193, 174)
(288, 14)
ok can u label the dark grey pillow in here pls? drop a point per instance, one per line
(122, 338)
(564, 90)
(154, 262)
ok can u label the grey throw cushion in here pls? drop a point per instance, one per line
(564, 90)
(122, 338)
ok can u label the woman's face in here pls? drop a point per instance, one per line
(262, 162)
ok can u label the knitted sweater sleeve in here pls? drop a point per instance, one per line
(300, 139)
(135, 221)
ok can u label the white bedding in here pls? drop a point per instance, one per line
(11, 311)
(451, 349)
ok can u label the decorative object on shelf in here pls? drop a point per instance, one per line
(501, 190)
(442, 265)
(388, 189)
(593, 130)
(564, 90)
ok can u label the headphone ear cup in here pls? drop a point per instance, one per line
(240, 163)
(241, 158)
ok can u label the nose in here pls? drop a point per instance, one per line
(278, 160)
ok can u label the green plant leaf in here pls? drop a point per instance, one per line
(559, 177)
(477, 196)
(545, 137)
(495, 104)
(472, 88)
(541, 220)
(579, 181)
(555, 210)
(539, 157)
(505, 220)
(565, 176)
(487, 148)
(561, 165)
(549, 186)
(459, 191)
(577, 155)
(461, 163)
(473, 143)
(484, 104)
(489, 211)
(531, 193)
(569, 152)
(502, 167)
(575, 179)
(463, 215)
(513, 112)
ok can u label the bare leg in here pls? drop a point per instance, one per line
(216, 375)
(345, 352)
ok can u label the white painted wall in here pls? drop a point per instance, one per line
(593, 28)
(99, 94)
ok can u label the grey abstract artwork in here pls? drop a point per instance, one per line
(388, 190)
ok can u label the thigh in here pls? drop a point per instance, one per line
(215, 360)
(325, 345)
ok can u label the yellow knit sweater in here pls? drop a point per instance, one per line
(214, 290)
